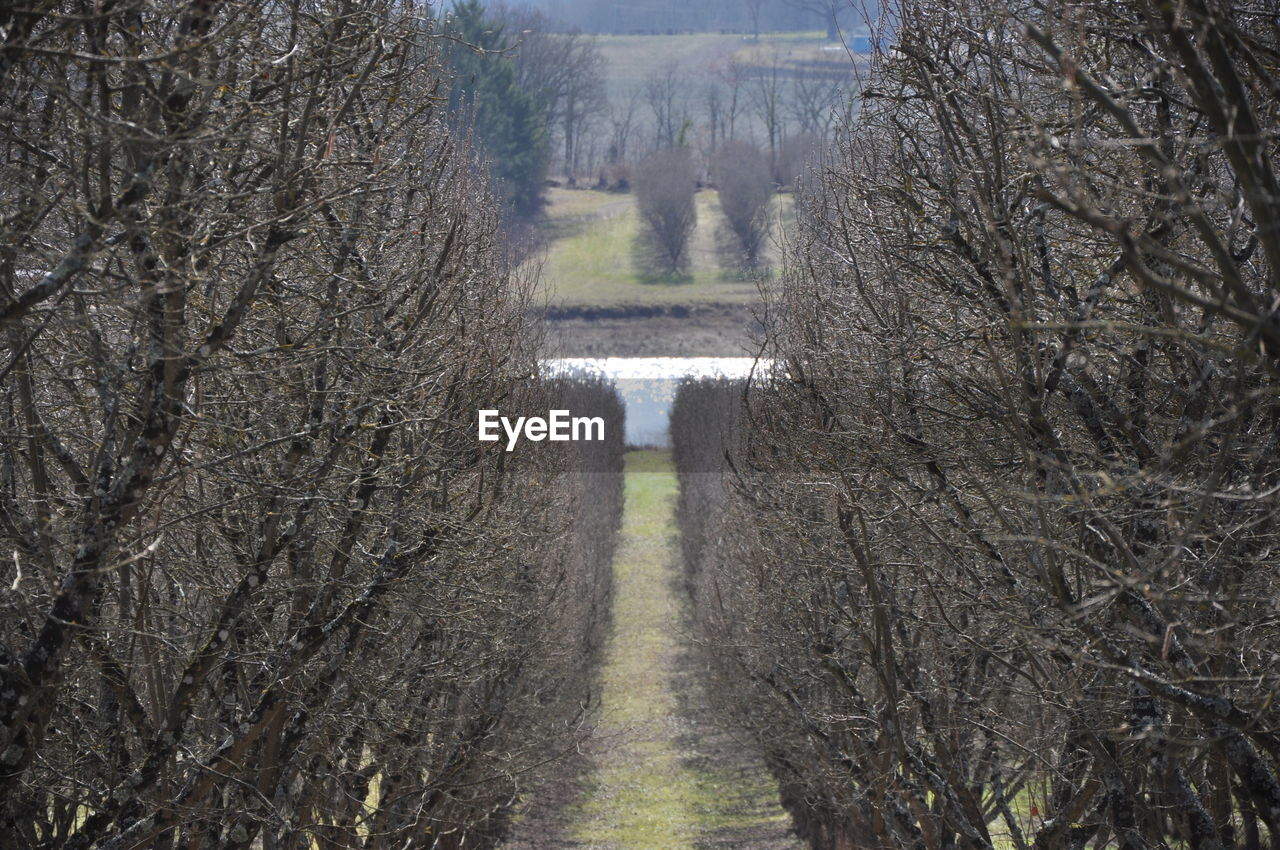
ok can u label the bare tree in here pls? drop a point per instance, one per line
(265, 589)
(713, 99)
(818, 98)
(733, 75)
(665, 185)
(754, 7)
(745, 187)
(828, 10)
(565, 73)
(799, 154)
(993, 562)
(622, 120)
(768, 92)
(666, 95)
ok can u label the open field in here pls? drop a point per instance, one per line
(591, 257)
(632, 59)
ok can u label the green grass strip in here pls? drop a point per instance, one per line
(648, 790)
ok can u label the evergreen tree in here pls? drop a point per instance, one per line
(509, 125)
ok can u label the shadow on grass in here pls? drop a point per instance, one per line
(554, 226)
(553, 229)
(742, 806)
(665, 278)
(654, 265)
(732, 259)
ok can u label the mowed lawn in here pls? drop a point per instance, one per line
(591, 256)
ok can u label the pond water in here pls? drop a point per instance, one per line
(647, 385)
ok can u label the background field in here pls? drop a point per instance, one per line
(633, 58)
(590, 256)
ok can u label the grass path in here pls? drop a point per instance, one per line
(660, 772)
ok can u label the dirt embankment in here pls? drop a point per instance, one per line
(645, 330)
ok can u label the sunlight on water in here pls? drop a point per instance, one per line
(648, 385)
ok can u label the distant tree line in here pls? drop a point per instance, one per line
(533, 94)
(491, 99)
(989, 559)
(744, 16)
(788, 108)
(527, 90)
(262, 587)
